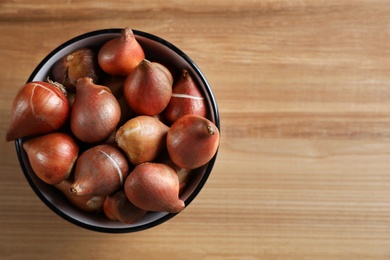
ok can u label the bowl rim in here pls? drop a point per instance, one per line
(191, 197)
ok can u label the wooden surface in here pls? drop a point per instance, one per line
(303, 89)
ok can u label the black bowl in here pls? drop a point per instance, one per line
(156, 49)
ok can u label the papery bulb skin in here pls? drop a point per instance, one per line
(52, 156)
(154, 187)
(119, 56)
(85, 203)
(118, 207)
(192, 141)
(148, 88)
(99, 171)
(95, 112)
(78, 64)
(38, 108)
(142, 138)
(186, 99)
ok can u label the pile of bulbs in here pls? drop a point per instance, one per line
(115, 132)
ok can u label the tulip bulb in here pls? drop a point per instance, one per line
(52, 156)
(192, 141)
(99, 171)
(85, 203)
(119, 56)
(95, 112)
(186, 99)
(78, 64)
(148, 88)
(142, 138)
(154, 187)
(38, 108)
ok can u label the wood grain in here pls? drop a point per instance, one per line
(303, 91)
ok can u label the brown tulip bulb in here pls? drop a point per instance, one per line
(85, 203)
(192, 141)
(38, 108)
(52, 156)
(186, 99)
(95, 112)
(148, 88)
(119, 56)
(154, 187)
(118, 207)
(78, 64)
(142, 138)
(100, 171)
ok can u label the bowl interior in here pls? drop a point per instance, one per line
(156, 49)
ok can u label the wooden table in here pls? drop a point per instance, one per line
(303, 89)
